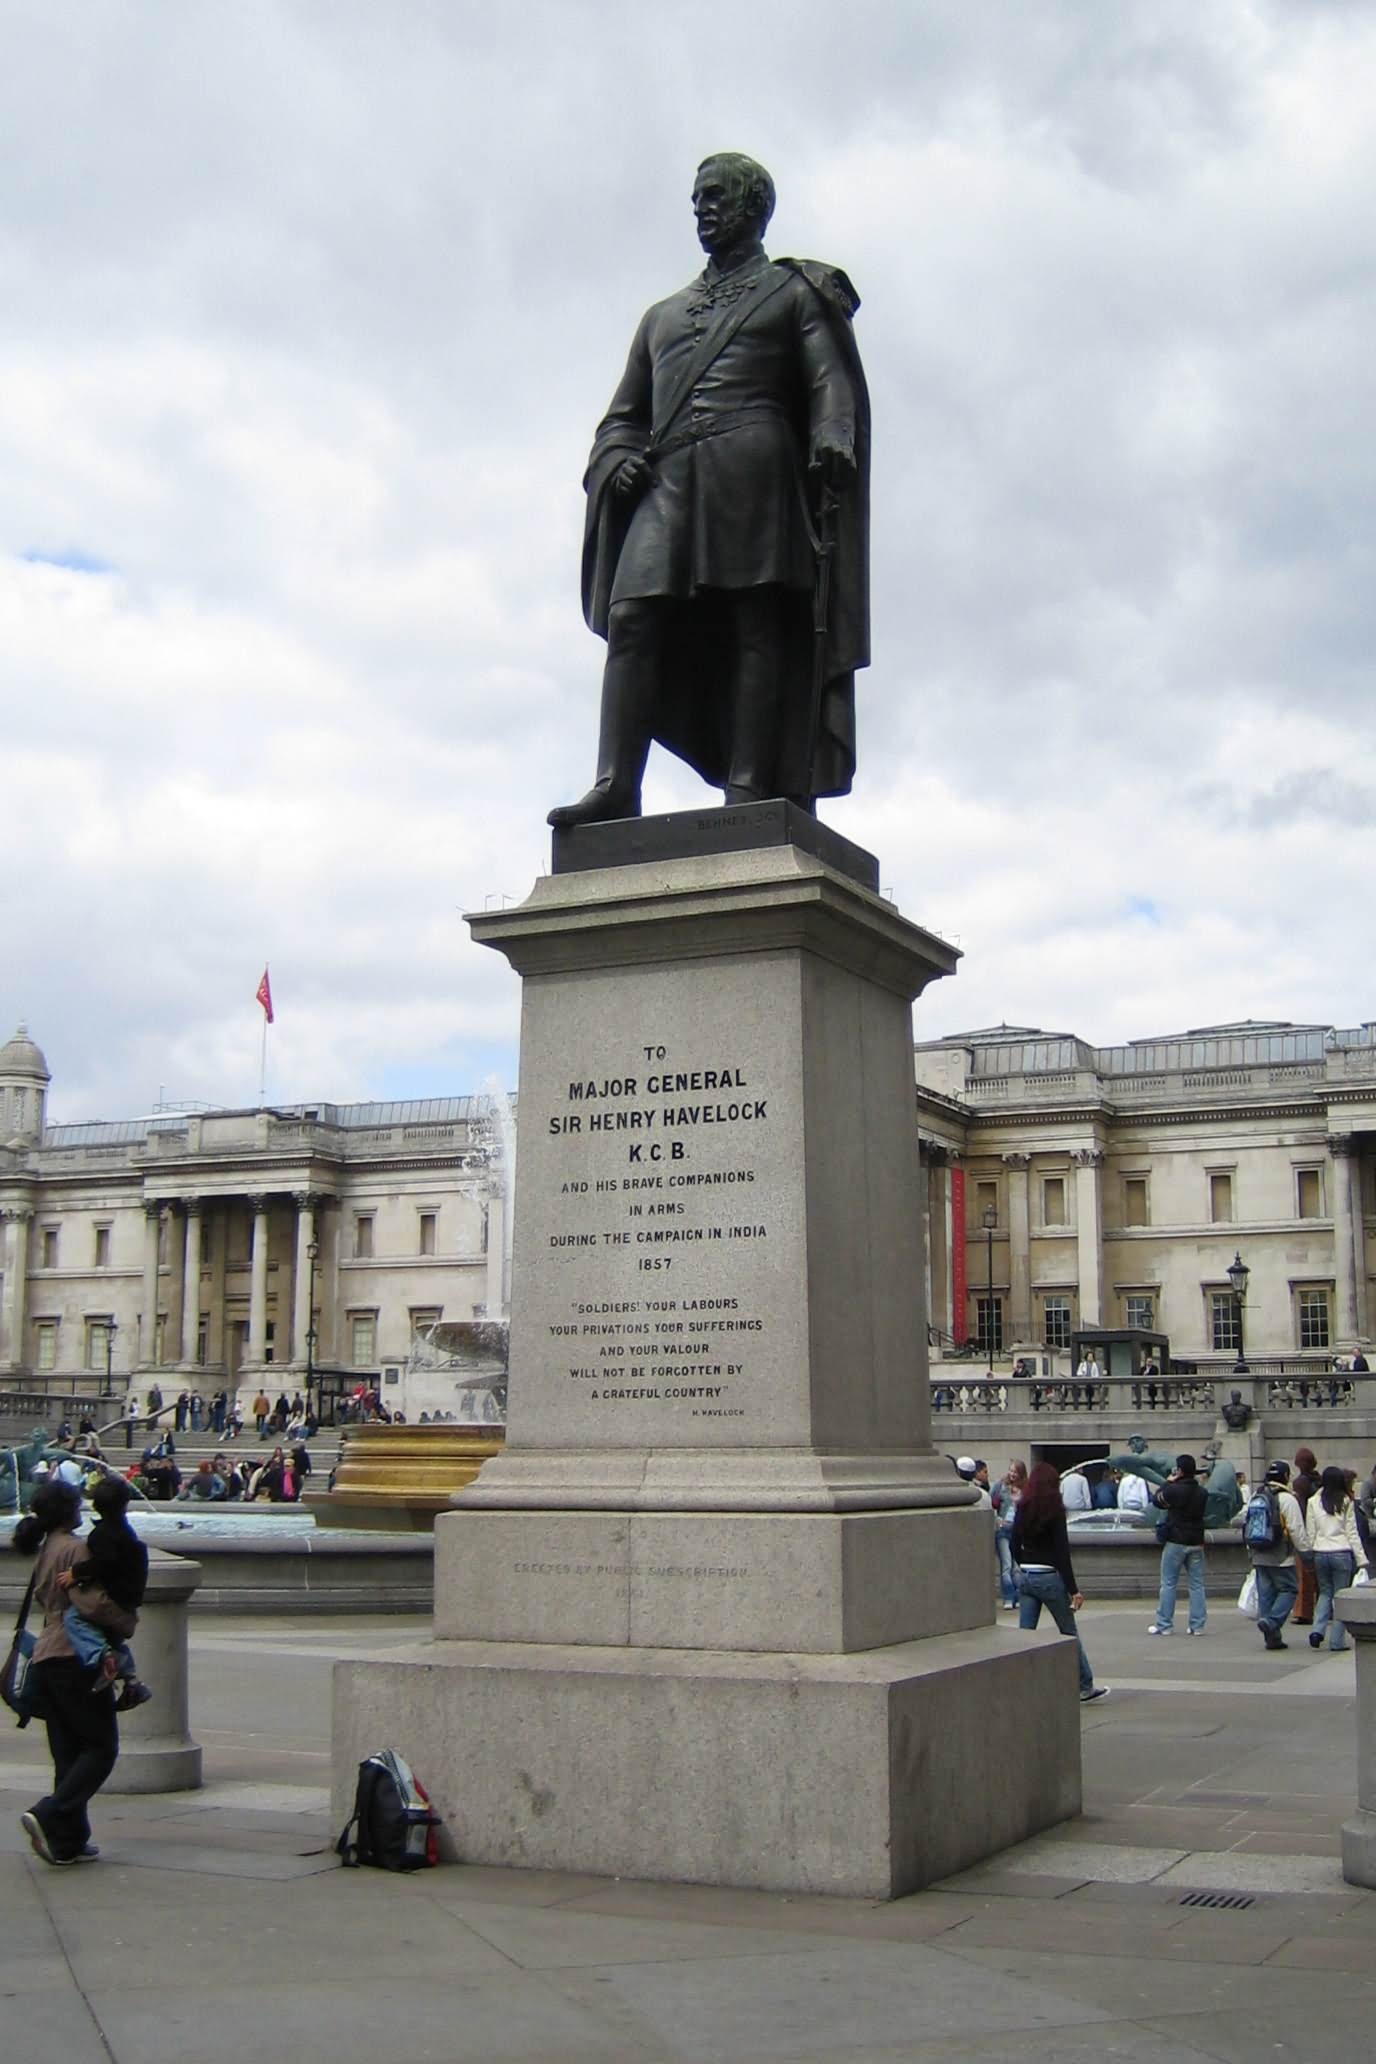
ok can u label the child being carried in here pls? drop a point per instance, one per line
(106, 1590)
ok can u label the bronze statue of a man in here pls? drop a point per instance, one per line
(726, 553)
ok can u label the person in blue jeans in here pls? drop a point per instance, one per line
(1041, 1551)
(1183, 1500)
(1339, 1552)
(1277, 1577)
(1005, 1510)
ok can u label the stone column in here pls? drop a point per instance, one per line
(327, 1282)
(306, 1202)
(938, 1265)
(173, 1347)
(258, 1286)
(496, 1249)
(1089, 1234)
(215, 1303)
(1019, 1249)
(148, 1337)
(14, 1306)
(191, 1278)
(1342, 1148)
(1359, 1244)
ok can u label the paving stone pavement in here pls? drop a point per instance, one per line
(218, 1921)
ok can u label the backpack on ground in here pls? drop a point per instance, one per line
(393, 1825)
(1262, 1527)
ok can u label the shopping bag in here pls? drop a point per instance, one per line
(1247, 1596)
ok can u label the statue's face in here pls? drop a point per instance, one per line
(719, 205)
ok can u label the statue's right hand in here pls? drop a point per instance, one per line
(631, 478)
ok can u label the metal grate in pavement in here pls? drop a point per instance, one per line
(1234, 1901)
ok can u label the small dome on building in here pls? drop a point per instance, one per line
(19, 1056)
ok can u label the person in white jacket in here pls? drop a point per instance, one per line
(1337, 1545)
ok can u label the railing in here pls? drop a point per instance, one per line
(1016, 1394)
(1178, 1392)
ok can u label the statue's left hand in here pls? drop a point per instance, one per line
(833, 457)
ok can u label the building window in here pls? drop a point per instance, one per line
(428, 1221)
(50, 1246)
(202, 1341)
(422, 1321)
(1221, 1198)
(1056, 1321)
(363, 1338)
(986, 1199)
(45, 1345)
(1224, 1335)
(363, 1240)
(1308, 1193)
(1053, 1200)
(102, 1246)
(1312, 1309)
(1136, 1200)
(1139, 1312)
(989, 1324)
(19, 1110)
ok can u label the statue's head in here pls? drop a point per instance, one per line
(1137, 1443)
(733, 197)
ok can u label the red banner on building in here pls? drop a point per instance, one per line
(960, 1329)
(263, 994)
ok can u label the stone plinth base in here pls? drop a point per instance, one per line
(1356, 1609)
(156, 1749)
(870, 1775)
(817, 1583)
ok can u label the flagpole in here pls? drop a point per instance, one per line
(263, 1065)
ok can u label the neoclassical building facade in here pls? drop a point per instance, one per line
(212, 1242)
(1066, 1185)
(1071, 1185)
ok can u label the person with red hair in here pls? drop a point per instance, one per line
(1041, 1553)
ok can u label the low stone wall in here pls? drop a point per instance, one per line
(1128, 1565)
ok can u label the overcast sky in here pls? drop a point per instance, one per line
(310, 309)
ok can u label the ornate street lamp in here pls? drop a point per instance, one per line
(991, 1219)
(312, 1256)
(1237, 1276)
(110, 1331)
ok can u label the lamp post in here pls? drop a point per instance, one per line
(110, 1331)
(1237, 1276)
(991, 1219)
(312, 1256)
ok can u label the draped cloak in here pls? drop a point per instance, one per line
(730, 505)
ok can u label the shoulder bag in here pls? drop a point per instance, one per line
(18, 1684)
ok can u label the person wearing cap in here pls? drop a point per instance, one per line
(967, 1469)
(1276, 1575)
(1183, 1500)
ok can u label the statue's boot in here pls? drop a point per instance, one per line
(623, 743)
(603, 802)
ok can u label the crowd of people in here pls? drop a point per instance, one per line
(277, 1478)
(1307, 1533)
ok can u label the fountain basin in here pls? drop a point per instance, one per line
(399, 1477)
(266, 1559)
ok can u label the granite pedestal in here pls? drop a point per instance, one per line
(719, 1610)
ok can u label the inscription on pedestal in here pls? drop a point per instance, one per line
(661, 1228)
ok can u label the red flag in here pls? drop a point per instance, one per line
(263, 994)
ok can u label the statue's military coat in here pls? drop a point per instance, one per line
(729, 504)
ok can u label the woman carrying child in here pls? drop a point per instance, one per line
(78, 1710)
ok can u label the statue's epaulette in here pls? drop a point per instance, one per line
(828, 280)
